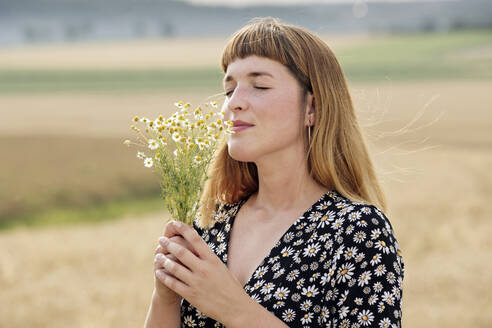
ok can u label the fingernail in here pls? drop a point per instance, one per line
(160, 256)
(163, 240)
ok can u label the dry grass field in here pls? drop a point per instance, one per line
(439, 190)
(430, 140)
(183, 52)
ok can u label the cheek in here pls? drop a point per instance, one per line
(284, 116)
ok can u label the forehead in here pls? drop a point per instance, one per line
(254, 66)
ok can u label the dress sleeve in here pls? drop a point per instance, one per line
(366, 285)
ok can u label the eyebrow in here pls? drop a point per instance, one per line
(251, 74)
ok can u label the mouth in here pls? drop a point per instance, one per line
(241, 127)
(238, 123)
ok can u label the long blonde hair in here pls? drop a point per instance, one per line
(337, 155)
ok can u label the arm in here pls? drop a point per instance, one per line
(197, 277)
(367, 284)
(162, 314)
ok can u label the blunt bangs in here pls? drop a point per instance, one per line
(268, 39)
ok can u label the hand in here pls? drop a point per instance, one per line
(202, 278)
(160, 255)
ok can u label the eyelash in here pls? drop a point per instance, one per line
(229, 92)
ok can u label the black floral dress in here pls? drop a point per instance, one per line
(338, 265)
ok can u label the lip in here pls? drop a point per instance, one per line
(241, 127)
(238, 123)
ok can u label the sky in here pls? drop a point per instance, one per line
(289, 2)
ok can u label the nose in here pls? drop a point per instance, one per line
(238, 100)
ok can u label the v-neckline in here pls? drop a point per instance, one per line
(292, 226)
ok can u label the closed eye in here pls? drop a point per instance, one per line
(228, 93)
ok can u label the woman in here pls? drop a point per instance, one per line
(292, 231)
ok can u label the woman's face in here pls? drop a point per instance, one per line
(264, 93)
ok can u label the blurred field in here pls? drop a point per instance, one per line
(62, 148)
(177, 65)
(141, 54)
(101, 275)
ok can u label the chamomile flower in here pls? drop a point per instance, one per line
(153, 144)
(148, 162)
(176, 137)
(200, 142)
(194, 134)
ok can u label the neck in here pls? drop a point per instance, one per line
(284, 186)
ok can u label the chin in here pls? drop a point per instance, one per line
(240, 154)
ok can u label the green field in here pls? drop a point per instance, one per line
(41, 81)
(421, 57)
(423, 102)
(62, 176)
(435, 56)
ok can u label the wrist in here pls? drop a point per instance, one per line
(165, 301)
(241, 313)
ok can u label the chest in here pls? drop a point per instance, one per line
(250, 243)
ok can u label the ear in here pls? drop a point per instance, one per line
(309, 119)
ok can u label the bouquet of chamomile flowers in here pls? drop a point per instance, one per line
(180, 149)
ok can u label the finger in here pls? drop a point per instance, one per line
(180, 241)
(179, 271)
(194, 239)
(172, 283)
(159, 259)
(170, 230)
(159, 249)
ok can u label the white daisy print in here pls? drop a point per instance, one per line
(364, 278)
(380, 270)
(385, 323)
(267, 288)
(359, 237)
(311, 250)
(338, 264)
(345, 272)
(365, 318)
(306, 318)
(288, 315)
(188, 321)
(281, 293)
(261, 271)
(311, 291)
